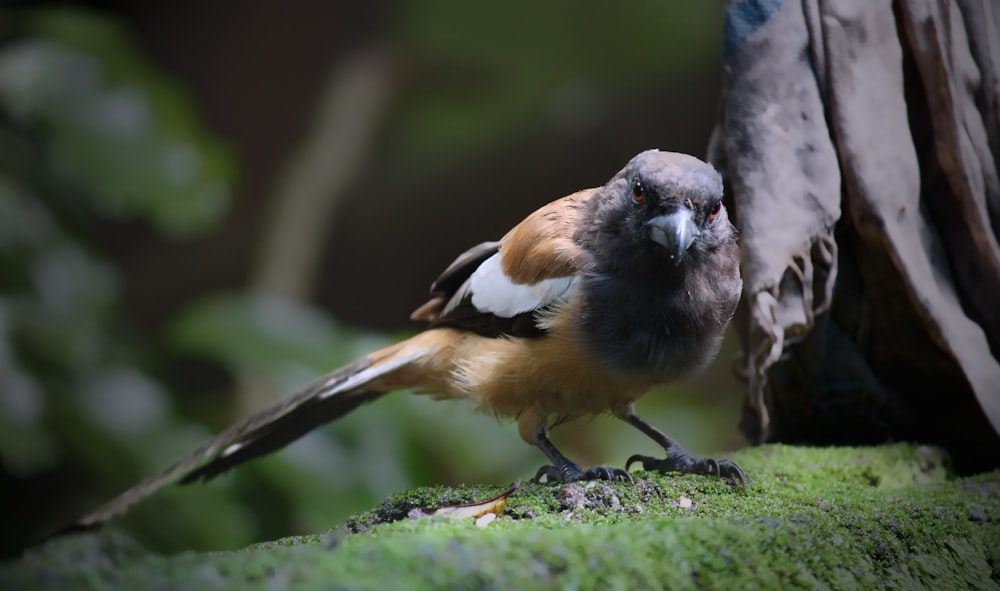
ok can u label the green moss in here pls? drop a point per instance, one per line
(838, 518)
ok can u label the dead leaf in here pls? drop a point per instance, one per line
(485, 519)
(494, 506)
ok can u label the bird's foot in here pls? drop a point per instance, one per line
(573, 473)
(685, 462)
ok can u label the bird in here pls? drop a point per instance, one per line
(579, 310)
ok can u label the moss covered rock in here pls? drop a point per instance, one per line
(840, 518)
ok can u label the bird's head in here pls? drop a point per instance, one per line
(663, 206)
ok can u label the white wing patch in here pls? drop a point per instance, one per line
(493, 292)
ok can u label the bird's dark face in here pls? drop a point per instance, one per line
(664, 279)
(663, 207)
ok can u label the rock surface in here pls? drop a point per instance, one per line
(840, 518)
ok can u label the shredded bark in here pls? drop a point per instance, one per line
(860, 145)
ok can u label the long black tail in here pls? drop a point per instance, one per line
(324, 400)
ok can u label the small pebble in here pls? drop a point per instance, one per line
(684, 502)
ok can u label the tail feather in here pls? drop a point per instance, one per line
(324, 400)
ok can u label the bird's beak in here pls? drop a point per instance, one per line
(674, 232)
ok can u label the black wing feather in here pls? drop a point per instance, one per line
(465, 315)
(452, 278)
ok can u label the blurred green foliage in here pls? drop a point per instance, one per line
(88, 132)
(92, 135)
(111, 124)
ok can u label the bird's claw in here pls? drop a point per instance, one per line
(607, 473)
(687, 463)
(573, 474)
(550, 473)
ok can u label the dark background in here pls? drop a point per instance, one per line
(208, 204)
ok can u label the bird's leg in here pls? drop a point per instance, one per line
(563, 469)
(679, 459)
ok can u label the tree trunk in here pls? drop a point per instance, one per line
(860, 144)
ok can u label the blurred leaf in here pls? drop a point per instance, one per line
(112, 125)
(264, 333)
(69, 301)
(25, 448)
(124, 402)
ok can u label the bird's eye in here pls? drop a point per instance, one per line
(638, 191)
(714, 212)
